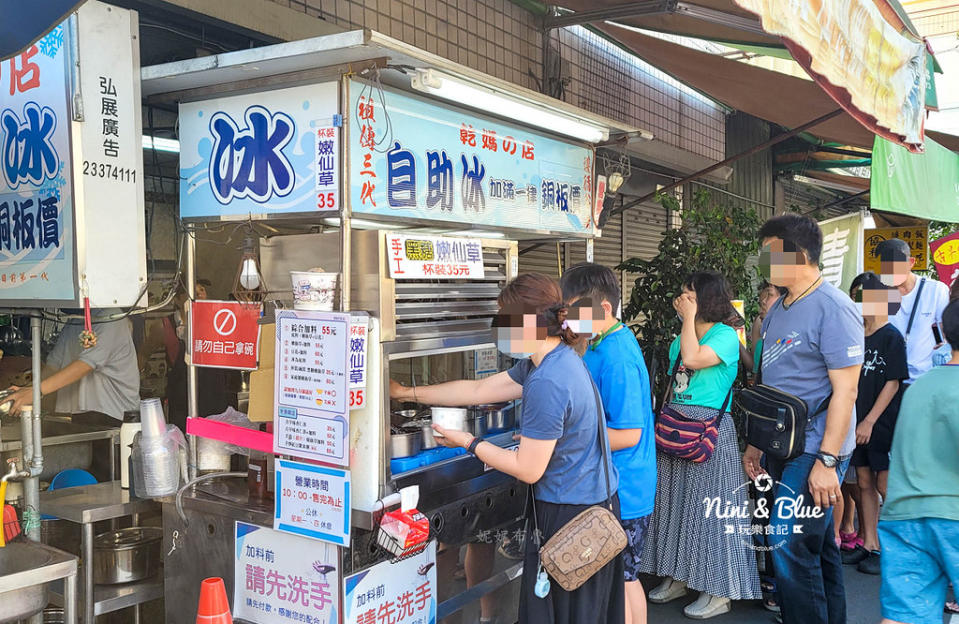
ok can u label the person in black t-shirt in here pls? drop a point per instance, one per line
(877, 406)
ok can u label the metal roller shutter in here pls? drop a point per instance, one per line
(542, 259)
(645, 225)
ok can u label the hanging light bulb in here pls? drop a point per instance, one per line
(249, 284)
(614, 181)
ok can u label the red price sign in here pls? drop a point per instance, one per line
(224, 334)
(357, 398)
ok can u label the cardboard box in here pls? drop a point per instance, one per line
(261, 395)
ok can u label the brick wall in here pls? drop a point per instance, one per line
(504, 40)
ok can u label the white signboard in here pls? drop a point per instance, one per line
(431, 257)
(313, 501)
(399, 593)
(359, 340)
(311, 406)
(327, 163)
(275, 582)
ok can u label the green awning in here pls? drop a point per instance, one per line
(920, 185)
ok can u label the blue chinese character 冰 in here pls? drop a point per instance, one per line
(401, 177)
(473, 197)
(28, 152)
(249, 161)
(439, 180)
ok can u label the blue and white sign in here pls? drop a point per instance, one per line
(276, 581)
(267, 153)
(411, 158)
(313, 501)
(400, 593)
(36, 189)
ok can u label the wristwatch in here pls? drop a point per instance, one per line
(828, 459)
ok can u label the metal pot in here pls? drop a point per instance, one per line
(406, 444)
(425, 426)
(450, 417)
(498, 417)
(476, 423)
(127, 555)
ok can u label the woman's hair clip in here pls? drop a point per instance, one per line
(565, 325)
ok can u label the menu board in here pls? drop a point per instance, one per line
(311, 417)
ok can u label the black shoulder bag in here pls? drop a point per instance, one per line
(775, 421)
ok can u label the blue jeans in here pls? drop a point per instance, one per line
(807, 562)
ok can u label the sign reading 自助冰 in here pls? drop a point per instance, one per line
(411, 158)
(224, 334)
(916, 236)
(266, 153)
(311, 417)
(432, 257)
(36, 177)
(274, 583)
(313, 501)
(401, 593)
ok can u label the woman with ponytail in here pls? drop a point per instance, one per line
(559, 453)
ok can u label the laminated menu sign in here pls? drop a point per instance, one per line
(313, 501)
(431, 257)
(274, 583)
(311, 404)
(399, 593)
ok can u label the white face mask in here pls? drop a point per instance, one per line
(582, 327)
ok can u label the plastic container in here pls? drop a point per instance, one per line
(129, 429)
(449, 418)
(152, 422)
(156, 464)
(314, 291)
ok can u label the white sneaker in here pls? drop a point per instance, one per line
(707, 606)
(668, 590)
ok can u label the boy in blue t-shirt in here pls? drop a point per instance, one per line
(616, 364)
(919, 524)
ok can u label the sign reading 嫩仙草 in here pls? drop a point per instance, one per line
(36, 189)
(266, 153)
(414, 159)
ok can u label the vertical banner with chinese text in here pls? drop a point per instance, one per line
(841, 258)
(37, 235)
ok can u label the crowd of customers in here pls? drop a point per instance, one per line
(857, 366)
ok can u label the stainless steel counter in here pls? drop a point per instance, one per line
(67, 445)
(56, 431)
(93, 503)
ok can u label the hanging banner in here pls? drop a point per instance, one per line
(311, 417)
(920, 185)
(413, 159)
(431, 257)
(841, 255)
(37, 235)
(861, 53)
(313, 501)
(945, 255)
(225, 334)
(274, 582)
(399, 593)
(916, 236)
(260, 154)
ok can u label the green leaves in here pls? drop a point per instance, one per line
(715, 236)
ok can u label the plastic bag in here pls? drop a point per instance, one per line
(214, 455)
(157, 463)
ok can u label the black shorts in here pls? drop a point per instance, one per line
(875, 454)
(636, 530)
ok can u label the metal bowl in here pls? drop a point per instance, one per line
(425, 426)
(498, 417)
(406, 444)
(127, 555)
(476, 424)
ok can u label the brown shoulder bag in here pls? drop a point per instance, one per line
(585, 544)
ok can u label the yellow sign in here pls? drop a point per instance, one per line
(740, 306)
(917, 237)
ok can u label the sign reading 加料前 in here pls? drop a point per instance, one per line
(402, 593)
(36, 177)
(267, 153)
(410, 158)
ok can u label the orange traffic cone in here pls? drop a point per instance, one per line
(214, 607)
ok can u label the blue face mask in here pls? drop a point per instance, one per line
(504, 344)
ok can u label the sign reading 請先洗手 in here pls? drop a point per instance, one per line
(401, 593)
(411, 158)
(275, 582)
(266, 153)
(432, 257)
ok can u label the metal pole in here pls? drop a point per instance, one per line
(606, 214)
(346, 211)
(88, 595)
(31, 442)
(70, 599)
(191, 389)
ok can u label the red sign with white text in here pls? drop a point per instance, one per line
(225, 334)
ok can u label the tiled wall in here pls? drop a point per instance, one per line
(502, 39)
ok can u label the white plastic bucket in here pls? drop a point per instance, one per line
(314, 291)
